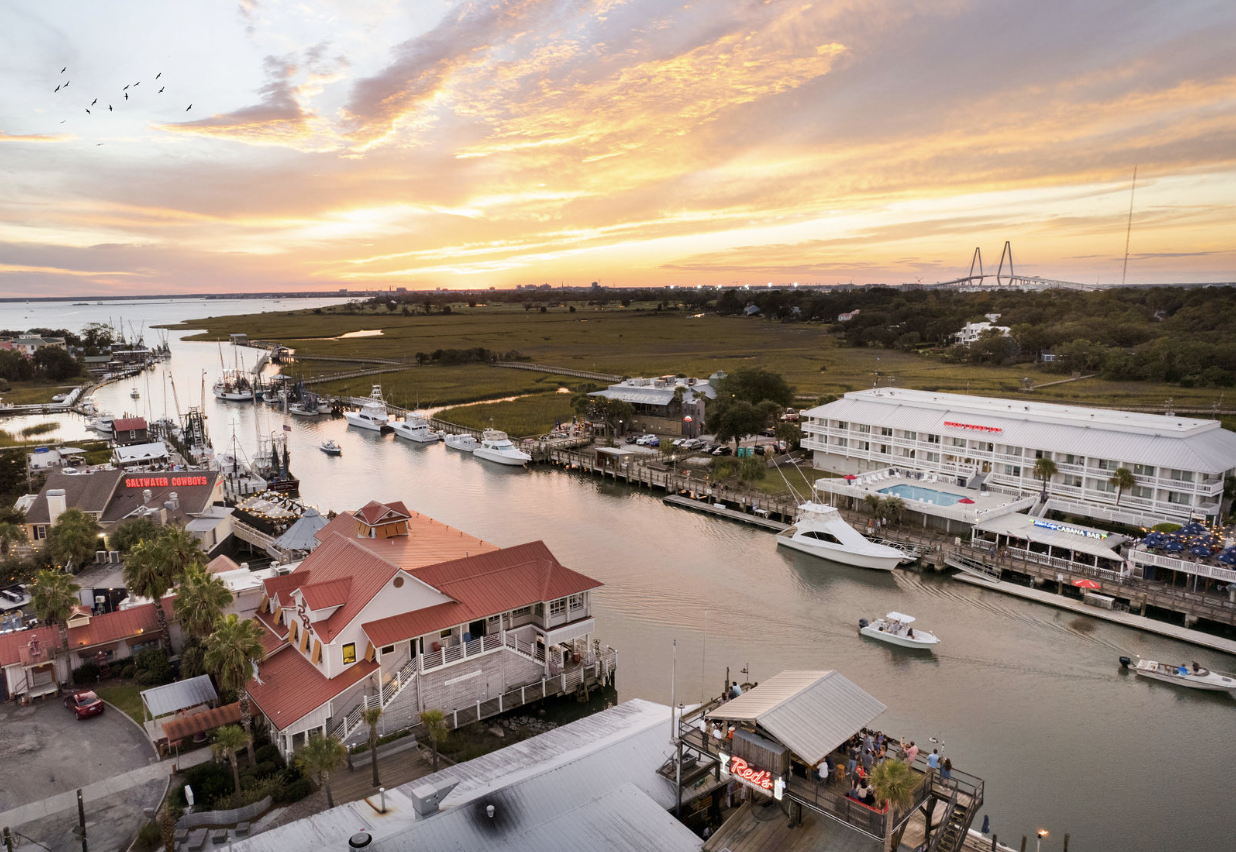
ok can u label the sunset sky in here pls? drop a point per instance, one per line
(430, 143)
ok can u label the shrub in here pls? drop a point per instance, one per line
(150, 836)
(294, 792)
(265, 768)
(86, 673)
(128, 671)
(268, 754)
(192, 660)
(1166, 527)
(153, 668)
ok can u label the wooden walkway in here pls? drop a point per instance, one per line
(722, 511)
(559, 371)
(354, 785)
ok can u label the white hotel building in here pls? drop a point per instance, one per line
(1179, 463)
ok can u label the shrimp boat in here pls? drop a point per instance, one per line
(372, 414)
(820, 531)
(234, 386)
(895, 629)
(1196, 677)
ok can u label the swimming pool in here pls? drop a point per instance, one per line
(915, 493)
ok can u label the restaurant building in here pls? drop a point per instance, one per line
(1178, 463)
(667, 404)
(397, 610)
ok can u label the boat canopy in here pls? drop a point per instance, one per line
(899, 616)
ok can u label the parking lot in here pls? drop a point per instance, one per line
(45, 750)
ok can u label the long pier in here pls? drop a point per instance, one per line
(559, 371)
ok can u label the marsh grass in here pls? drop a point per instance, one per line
(530, 415)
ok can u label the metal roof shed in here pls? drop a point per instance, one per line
(811, 712)
(181, 695)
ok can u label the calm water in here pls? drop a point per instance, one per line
(1028, 697)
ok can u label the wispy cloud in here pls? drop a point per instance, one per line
(36, 137)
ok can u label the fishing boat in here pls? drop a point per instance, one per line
(102, 423)
(497, 447)
(416, 429)
(1194, 677)
(135, 394)
(331, 448)
(895, 629)
(465, 443)
(234, 386)
(820, 531)
(299, 409)
(89, 406)
(372, 414)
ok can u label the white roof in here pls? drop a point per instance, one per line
(900, 616)
(182, 694)
(809, 712)
(140, 453)
(1065, 536)
(591, 784)
(1130, 437)
(300, 536)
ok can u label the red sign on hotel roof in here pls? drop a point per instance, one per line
(974, 427)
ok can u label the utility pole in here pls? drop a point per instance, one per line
(81, 818)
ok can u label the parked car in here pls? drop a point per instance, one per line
(678, 442)
(649, 441)
(768, 433)
(84, 704)
(723, 450)
(631, 439)
(759, 449)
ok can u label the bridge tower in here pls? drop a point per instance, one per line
(1008, 251)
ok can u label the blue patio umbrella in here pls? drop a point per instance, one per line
(1192, 528)
(1155, 539)
(1228, 557)
(1174, 546)
(1200, 550)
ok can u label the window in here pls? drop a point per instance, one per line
(349, 653)
(822, 536)
(956, 442)
(1143, 470)
(40, 532)
(389, 649)
(1072, 480)
(1106, 464)
(841, 442)
(444, 634)
(522, 611)
(864, 428)
(1104, 485)
(577, 601)
(1182, 475)
(1178, 497)
(1012, 470)
(933, 439)
(911, 436)
(886, 432)
(1042, 454)
(841, 424)
(1012, 451)
(557, 607)
(1069, 458)
(931, 457)
(884, 449)
(1143, 492)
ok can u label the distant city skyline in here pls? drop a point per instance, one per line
(265, 146)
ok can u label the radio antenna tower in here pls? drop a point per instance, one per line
(1129, 230)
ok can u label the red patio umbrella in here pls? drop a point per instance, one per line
(965, 500)
(850, 477)
(1086, 584)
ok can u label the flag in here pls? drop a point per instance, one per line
(287, 428)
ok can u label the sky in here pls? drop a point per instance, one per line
(267, 145)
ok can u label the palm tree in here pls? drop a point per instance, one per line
(321, 756)
(73, 538)
(1121, 479)
(181, 550)
(435, 728)
(147, 573)
(894, 784)
(10, 533)
(1044, 469)
(200, 601)
(54, 595)
(873, 501)
(371, 715)
(231, 654)
(229, 740)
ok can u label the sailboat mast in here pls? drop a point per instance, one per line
(1129, 230)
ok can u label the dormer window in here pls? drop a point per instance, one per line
(349, 653)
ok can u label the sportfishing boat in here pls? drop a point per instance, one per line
(234, 386)
(466, 443)
(331, 448)
(895, 629)
(135, 394)
(821, 531)
(497, 447)
(416, 429)
(372, 414)
(1195, 677)
(102, 423)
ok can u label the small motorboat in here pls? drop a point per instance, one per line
(895, 629)
(465, 443)
(135, 394)
(60, 397)
(1195, 677)
(331, 448)
(298, 409)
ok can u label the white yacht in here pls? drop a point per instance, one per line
(1195, 677)
(102, 423)
(821, 531)
(416, 429)
(497, 447)
(372, 414)
(466, 443)
(89, 406)
(895, 629)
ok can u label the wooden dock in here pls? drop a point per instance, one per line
(722, 510)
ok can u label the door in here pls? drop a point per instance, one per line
(477, 629)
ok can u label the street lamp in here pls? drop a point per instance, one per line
(1038, 843)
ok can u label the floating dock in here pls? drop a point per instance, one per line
(722, 511)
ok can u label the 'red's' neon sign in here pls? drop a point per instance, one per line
(761, 778)
(974, 427)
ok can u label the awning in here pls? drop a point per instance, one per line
(567, 632)
(809, 712)
(1075, 537)
(162, 700)
(199, 723)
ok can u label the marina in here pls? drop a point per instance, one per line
(1011, 668)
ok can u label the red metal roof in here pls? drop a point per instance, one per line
(327, 594)
(281, 583)
(374, 512)
(427, 542)
(481, 586)
(129, 424)
(273, 637)
(221, 564)
(122, 624)
(199, 723)
(342, 558)
(12, 644)
(293, 687)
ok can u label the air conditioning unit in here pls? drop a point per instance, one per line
(113, 556)
(100, 556)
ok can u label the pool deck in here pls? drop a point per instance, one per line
(985, 503)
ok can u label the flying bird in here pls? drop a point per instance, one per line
(66, 84)
(161, 90)
(189, 107)
(65, 68)
(157, 76)
(125, 88)
(57, 89)
(64, 120)
(126, 96)
(138, 83)
(109, 107)
(95, 101)
(87, 112)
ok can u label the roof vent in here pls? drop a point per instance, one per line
(427, 797)
(359, 840)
